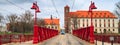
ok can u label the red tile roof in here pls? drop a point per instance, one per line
(52, 21)
(96, 14)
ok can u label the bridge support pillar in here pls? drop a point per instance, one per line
(35, 38)
(92, 34)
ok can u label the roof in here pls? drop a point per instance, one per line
(96, 14)
(51, 21)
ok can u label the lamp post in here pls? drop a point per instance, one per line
(36, 8)
(91, 7)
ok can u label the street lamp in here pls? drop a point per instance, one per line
(36, 8)
(91, 7)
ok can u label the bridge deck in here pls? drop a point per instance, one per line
(66, 39)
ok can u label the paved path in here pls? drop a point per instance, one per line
(66, 39)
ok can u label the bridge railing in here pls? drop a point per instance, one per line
(106, 38)
(83, 33)
(46, 33)
(15, 38)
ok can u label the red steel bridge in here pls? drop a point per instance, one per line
(46, 36)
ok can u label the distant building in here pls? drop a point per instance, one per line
(103, 21)
(52, 23)
(3, 29)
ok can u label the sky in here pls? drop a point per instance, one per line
(47, 8)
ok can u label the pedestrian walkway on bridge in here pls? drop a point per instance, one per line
(66, 39)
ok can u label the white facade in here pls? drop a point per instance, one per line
(101, 25)
(52, 26)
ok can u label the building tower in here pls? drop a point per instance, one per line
(66, 13)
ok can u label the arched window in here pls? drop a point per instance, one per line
(95, 31)
(52, 27)
(48, 26)
(104, 30)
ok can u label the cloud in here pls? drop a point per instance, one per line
(48, 9)
(20, 1)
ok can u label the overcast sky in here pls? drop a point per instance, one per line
(46, 7)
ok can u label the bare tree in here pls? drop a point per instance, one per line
(27, 17)
(12, 18)
(40, 22)
(22, 23)
(1, 18)
(27, 21)
(117, 12)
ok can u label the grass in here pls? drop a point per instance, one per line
(3, 33)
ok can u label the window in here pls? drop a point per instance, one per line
(48, 26)
(83, 24)
(100, 29)
(95, 24)
(113, 30)
(109, 30)
(83, 20)
(52, 27)
(56, 27)
(108, 22)
(87, 22)
(67, 10)
(104, 23)
(100, 25)
(95, 30)
(100, 22)
(113, 22)
(95, 21)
